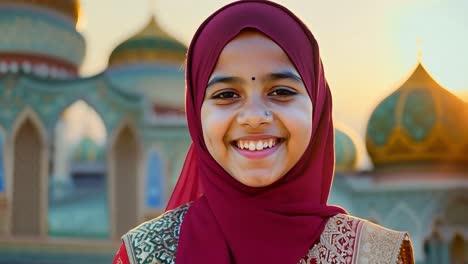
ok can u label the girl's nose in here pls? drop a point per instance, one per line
(254, 113)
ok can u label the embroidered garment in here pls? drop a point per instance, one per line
(345, 240)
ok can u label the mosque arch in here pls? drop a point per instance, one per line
(77, 121)
(124, 184)
(71, 103)
(401, 216)
(29, 176)
(78, 202)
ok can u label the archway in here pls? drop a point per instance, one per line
(78, 200)
(125, 160)
(28, 188)
(458, 254)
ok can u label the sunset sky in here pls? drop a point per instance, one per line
(368, 46)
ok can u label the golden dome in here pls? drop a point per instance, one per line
(419, 122)
(69, 8)
(151, 45)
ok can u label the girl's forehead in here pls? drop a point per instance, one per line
(252, 48)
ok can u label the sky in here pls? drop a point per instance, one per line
(368, 47)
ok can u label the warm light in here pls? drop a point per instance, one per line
(82, 20)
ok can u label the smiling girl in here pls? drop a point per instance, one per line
(257, 176)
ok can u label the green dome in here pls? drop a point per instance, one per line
(88, 151)
(150, 45)
(345, 152)
(419, 122)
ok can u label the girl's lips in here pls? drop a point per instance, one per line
(258, 154)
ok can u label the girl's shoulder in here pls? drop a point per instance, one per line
(156, 239)
(348, 238)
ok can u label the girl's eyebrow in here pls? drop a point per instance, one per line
(224, 79)
(286, 74)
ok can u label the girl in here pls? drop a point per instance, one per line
(257, 176)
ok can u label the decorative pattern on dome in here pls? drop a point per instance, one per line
(69, 8)
(383, 119)
(150, 45)
(36, 50)
(88, 151)
(345, 152)
(420, 114)
(419, 122)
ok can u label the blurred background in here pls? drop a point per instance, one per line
(93, 132)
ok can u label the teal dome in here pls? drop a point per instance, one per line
(419, 122)
(150, 64)
(151, 45)
(88, 151)
(345, 152)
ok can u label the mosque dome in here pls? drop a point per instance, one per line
(419, 123)
(150, 64)
(39, 37)
(68, 8)
(151, 45)
(345, 152)
(464, 95)
(88, 150)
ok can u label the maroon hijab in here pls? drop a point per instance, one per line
(229, 222)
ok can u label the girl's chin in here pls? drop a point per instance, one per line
(257, 180)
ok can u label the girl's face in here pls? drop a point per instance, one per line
(256, 115)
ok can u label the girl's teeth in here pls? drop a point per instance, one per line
(256, 145)
(259, 145)
(252, 146)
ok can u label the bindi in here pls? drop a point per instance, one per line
(253, 78)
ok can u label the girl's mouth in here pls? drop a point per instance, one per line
(257, 148)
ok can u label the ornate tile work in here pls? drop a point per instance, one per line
(155, 242)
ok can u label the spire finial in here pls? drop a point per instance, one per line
(420, 53)
(154, 4)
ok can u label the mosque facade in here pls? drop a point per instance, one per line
(69, 189)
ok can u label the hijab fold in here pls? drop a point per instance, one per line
(229, 222)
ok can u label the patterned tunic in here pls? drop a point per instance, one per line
(345, 240)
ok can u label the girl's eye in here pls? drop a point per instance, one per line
(283, 92)
(225, 95)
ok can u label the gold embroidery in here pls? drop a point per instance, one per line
(378, 245)
(337, 241)
(351, 240)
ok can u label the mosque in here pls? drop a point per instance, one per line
(68, 191)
